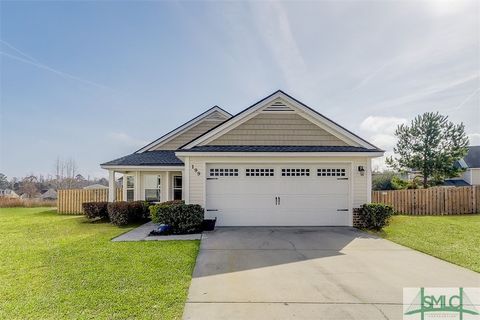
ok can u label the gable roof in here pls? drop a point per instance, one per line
(187, 125)
(314, 116)
(472, 159)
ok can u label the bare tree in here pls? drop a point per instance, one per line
(65, 173)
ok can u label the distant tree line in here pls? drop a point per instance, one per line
(66, 176)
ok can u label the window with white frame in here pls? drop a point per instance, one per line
(130, 188)
(331, 172)
(295, 172)
(177, 187)
(221, 172)
(152, 184)
(260, 172)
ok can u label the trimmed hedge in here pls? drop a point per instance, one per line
(122, 213)
(95, 210)
(375, 216)
(182, 218)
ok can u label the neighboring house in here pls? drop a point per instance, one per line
(8, 193)
(471, 164)
(96, 186)
(276, 163)
(50, 194)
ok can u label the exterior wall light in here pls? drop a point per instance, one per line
(361, 169)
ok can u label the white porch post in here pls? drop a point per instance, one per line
(112, 190)
(167, 185)
(369, 180)
(138, 186)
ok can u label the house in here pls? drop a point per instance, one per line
(96, 186)
(471, 164)
(8, 193)
(276, 163)
(50, 194)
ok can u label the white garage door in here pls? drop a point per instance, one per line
(278, 195)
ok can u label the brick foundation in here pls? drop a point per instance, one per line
(356, 217)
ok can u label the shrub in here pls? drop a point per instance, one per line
(375, 216)
(122, 213)
(119, 213)
(139, 211)
(183, 218)
(95, 210)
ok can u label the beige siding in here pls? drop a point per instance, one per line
(190, 134)
(360, 191)
(197, 182)
(278, 129)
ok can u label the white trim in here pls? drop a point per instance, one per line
(248, 114)
(352, 183)
(112, 187)
(186, 182)
(369, 180)
(144, 168)
(187, 153)
(183, 128)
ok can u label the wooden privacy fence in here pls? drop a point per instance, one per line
(70, 201)
(432, 201)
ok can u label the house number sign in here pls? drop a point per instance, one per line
(195, 170)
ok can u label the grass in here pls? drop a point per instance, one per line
(452, 238)
(62, 267)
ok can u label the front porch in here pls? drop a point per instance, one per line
(149, 184)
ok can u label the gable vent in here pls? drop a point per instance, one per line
(278, 106)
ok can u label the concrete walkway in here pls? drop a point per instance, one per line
(309, 273)
(141, 234)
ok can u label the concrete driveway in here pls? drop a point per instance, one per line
(309, 273)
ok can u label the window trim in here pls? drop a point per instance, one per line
(127, 188)
(175, 188)
(158, 189)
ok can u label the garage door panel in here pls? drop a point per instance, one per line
(324, 201)
(238, 186)
(306, 196)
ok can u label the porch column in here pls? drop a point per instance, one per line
(112, 188)
(138, 186)
(167, 185)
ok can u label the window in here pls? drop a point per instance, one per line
(130, 188)
(223, 172)
(177, 187)
(295, 172)
(259, 172)
(331, 172)
(152, 187)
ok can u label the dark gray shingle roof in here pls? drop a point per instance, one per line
(149, 158)
(455, 183)
(472, 159)
(280, 149)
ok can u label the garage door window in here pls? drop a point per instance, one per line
(259, 172)
(220, 172)
(331, 172)
(295, 172)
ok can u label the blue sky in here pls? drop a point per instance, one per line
(94, 81)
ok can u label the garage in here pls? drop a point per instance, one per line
(279, 194)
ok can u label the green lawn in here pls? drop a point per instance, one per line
(62, 267)
(452, 238)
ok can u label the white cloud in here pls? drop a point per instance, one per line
(474, 139)
(125, 139)
(380, 125)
